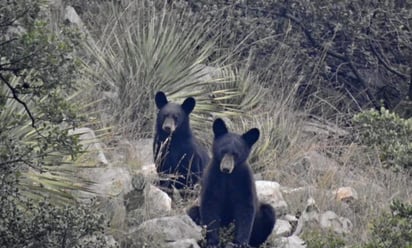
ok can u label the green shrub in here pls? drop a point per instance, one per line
(393, 229)
(316, 238)
(28, 223)
(389, 134)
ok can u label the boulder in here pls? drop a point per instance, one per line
(269, 192)
(282, 228)
(164, 231)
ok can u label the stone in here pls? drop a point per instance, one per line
(269, 192)
(290, 242)
(71, 17)
(330, 220)
(345, 194)
(160, 232)
(184, 243)
(282, 228)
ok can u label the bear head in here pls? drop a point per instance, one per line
(173, 117)
(230, 149)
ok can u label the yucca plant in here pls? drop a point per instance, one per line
(144, 49)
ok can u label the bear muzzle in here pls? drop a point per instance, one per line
(169, 125)
(227, 165)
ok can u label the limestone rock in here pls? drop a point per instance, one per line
(282, 228)
(269, 192)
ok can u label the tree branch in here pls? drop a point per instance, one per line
(384, 63)
(16, 97)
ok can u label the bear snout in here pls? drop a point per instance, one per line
(227, 165)
(169, 125)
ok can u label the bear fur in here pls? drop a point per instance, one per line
(228, 193)
(178, 156)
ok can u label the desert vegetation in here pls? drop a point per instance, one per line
(328, 77)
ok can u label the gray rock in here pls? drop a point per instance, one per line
(184, 243)
(282, 228)
(269, 192)
(330, 220)
(160, 232)
(71, 17)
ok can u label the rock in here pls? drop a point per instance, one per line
(330, 220)
(71, 17)
(157, 202)
(161, 232)
(345, 194)
(184, 243)
(290, 242)
(269, 192)
(145, 201)
(282, 228)
(90, 143)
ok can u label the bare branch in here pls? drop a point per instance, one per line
(16, 97)
(378, 54)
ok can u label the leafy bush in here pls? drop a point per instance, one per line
(28, 223)
(389, 134)
(393, 229)
(317, 238)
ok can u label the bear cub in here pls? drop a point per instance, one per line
(178, 156)
(228, 193)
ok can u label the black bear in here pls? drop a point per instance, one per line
(177, 154)
(228, 193)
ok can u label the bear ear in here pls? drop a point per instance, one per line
(160, 99)
(251, 136)
(219, 128)
(188, 105)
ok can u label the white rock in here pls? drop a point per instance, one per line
(290, 242)
(184, 243)
(157, 202)
(282, 228)
(269, 192)
(72, 17)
